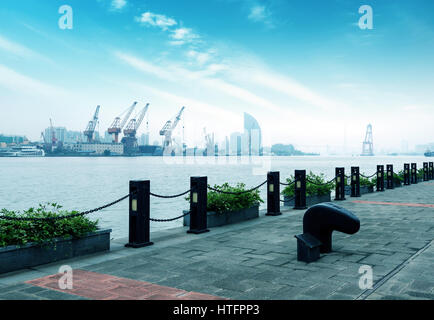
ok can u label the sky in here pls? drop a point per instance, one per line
(303, 68)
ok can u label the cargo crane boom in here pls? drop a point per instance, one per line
(90, 129)
(134, 124)
(118, 124)
(130, 140)
(167, 131)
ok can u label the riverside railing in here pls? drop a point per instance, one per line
(140, 193)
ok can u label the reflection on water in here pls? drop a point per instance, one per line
(86, 183)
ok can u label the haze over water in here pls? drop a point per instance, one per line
(86, 183)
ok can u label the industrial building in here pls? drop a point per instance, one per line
(98, 148)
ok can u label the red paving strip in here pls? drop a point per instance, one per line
(396, 204)
(98, 286)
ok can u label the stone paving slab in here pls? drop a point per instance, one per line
(99, 286)
(257, 259)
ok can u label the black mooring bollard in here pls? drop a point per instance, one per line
(198, 205)
(355, 181)
(380, 177)
(414, 173)
(273, 194)
(139, 221)
(300, 190)
(431, 170)
(390, 183)
(340, 184)
(406, 174)
(425, 171)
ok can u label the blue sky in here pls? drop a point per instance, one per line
(304, 69)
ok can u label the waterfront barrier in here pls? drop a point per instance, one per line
(140, 193)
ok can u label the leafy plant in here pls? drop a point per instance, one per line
(398, 178)
(366, 182)
(221, 202)
(420, 173)
(40, 231)
(315, 185)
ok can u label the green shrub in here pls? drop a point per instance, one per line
(316, 188)
(366, 182)
(23, 232)
(220, 202)
(397, 177)
(420, 173)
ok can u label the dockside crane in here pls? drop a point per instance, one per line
(90, 129)
(130, 140)
(119, 123)
(167, 132)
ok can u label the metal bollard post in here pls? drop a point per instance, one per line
(355, 181)
(300, 190)
(198, 205)
(390, 182)
(414, 173)
(340, 184)
(406, 174)
(273, 194)
(425, 171)
(380, 178)
(139, 224)
(431, 170)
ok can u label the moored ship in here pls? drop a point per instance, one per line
(22, 151)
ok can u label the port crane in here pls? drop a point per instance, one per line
(167, 132)
(119, 123)
(130, 140)
(90, 129)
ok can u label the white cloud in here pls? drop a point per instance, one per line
(258, 13)
(181, 36)
(293, 89)
(156, 20)
(16, 48)
(15, 81)
(175, 73)
(118, 4)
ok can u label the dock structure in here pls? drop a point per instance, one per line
(257, 259)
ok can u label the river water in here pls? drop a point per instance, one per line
(86, 183)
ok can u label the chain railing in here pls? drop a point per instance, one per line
(287, 184)
(369, 177)
(237, 193)
(66, 216)
(320, 184)
(170, 197)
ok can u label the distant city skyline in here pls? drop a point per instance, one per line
(304, 69)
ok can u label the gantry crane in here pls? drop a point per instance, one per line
(118, 124)
(167, 132)
(130, 140)
(91, 126)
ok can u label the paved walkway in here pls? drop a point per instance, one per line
(257, 259)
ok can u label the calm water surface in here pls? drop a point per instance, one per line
(86, 183)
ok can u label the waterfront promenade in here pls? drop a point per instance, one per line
(257, 259)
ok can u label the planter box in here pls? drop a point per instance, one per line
(220, 219)
(363, 190)
(14, 258)
(310, 200)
